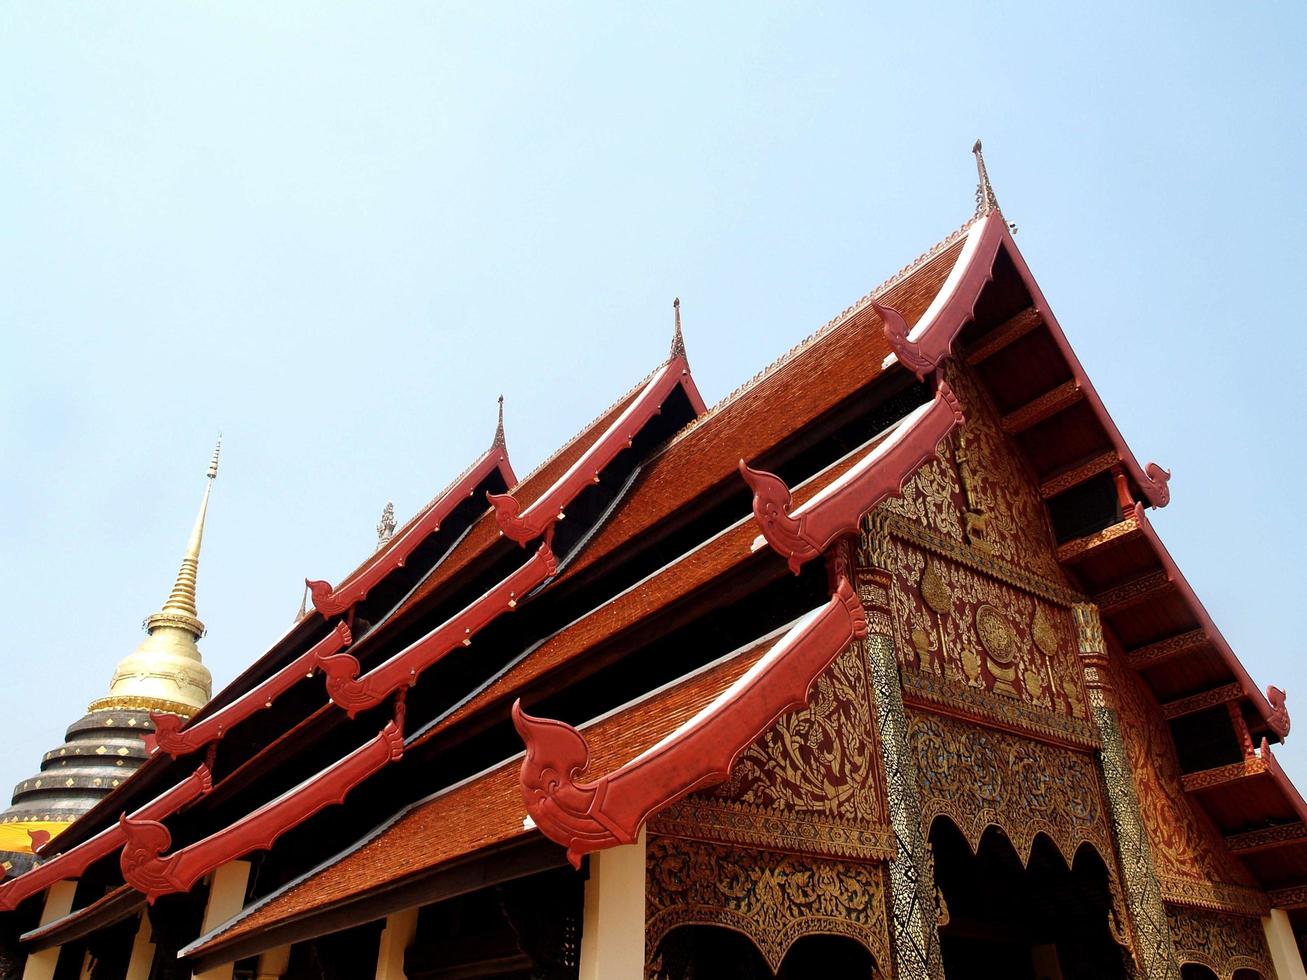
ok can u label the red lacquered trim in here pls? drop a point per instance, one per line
(529, 524)
(169, 735)
(590, 816)
(73, 862)
(355, 589)
(1152, 481)
(1275, 715)
(805, 533)
(354, 693)
(923, 348)
(146, 839)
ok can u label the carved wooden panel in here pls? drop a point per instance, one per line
(813, 782)
(972, 628)
(979, 491)
(980, 778)
(1192, 863)
(775, 899)
(1219, 941)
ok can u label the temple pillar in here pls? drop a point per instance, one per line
(1153, 946)
(913, 926)
(273, 964)
(612, 930)
(58, 903)
(226, 898)
(142, 958)
(1283, 946)
(395, 939)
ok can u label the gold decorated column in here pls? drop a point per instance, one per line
(914, 932)
(1154, 948)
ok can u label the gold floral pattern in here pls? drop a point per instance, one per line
(773, 898)
(1221, 942)
(980, 778)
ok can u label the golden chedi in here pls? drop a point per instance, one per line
(101, 749)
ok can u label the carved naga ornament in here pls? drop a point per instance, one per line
(170, 737)
(804, 533)
(590, 816)
(354, 693)
(154, 875)
(73, 862)
(1279, 717)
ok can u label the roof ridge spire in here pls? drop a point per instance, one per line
(499, 429)
(678, 341)
(386, 526)
(985, 199)
(179, 608)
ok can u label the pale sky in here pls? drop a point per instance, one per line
(336, 232)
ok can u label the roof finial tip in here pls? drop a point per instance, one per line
(678, 342)
(499, 428)
(985, 199)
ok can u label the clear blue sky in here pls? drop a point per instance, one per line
(337, 232)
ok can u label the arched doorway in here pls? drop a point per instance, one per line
(702, 952)
(1035, 921)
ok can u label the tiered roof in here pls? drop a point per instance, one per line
(648, 610)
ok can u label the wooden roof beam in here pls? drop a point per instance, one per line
(1235, 772)
(1043, 408)
(1077, 474)
(1267, 838)
(1005, 335)
(1153, 654)
(1293, 897)
(1082, 548)
(1225, 694)
(1131, 593)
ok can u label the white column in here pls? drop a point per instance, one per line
(395, 938)
(58, 903)
(138, 967)
(612, 931)
(226, 898)
(1284, 947)
(273, 964)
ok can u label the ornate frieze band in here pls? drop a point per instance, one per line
(774, 899)
(1222, 943)
(988, 564)
(1215, 896)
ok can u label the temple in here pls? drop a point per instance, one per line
(875, 668)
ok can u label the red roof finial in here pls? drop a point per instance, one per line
(678, 342)
(985, 199)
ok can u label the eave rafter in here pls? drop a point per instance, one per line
(1004, 335)
(525, 525)
(1219, 776)
(332, 601)
(1043, 408)
(148, 870)
(1267, 838)
(807, 531)
(1127, 595)
(1170, 648)
(354, 693)
(589, 816)
(1194, 703)
(73, 862)
(1090, 545)
(169, 736)
(1077, 474)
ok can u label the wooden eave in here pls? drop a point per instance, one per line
(458, 825)
(106, 911)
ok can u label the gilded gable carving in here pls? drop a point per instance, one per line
(1221, 942)
(813, 782)
(978, 777)
(773, 898)
(1191, 861)
(978, 490)
(973, 629)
